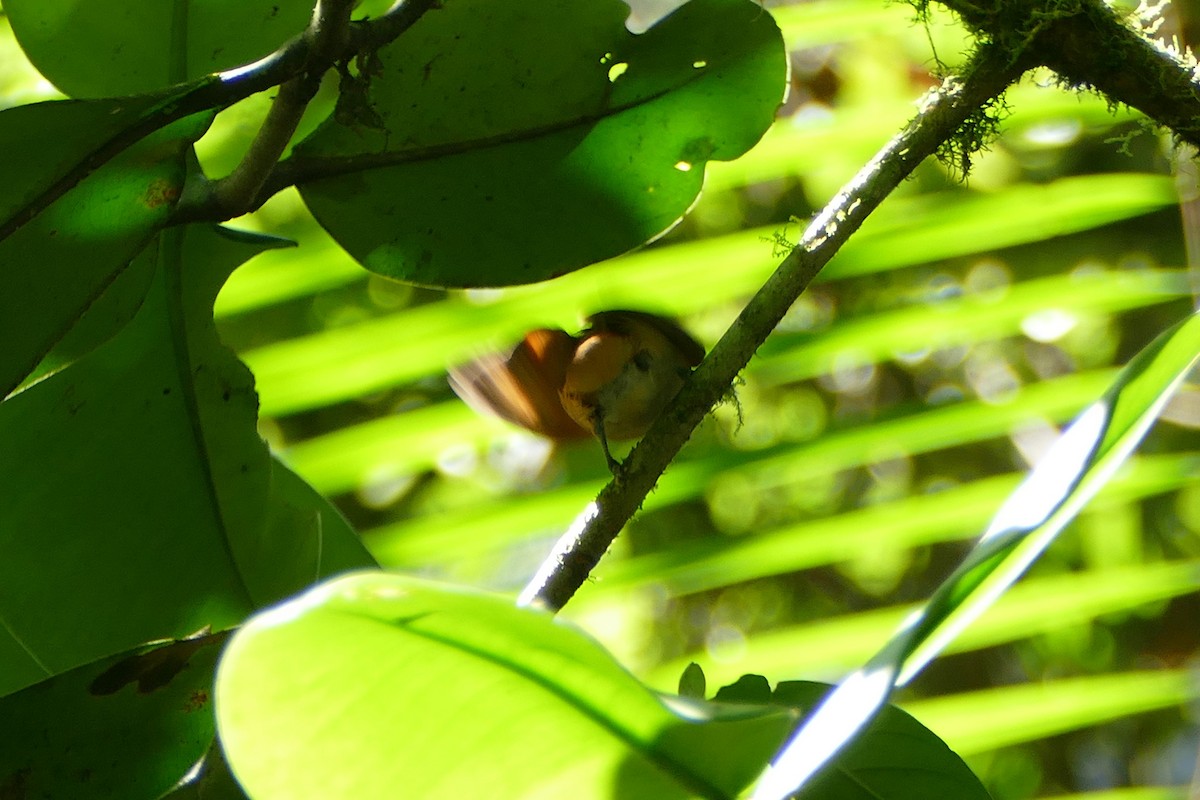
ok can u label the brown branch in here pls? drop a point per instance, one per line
(581, 548)
(327, 36)
(330, 39)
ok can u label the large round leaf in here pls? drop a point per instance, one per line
(381, 686)
(132, 46)
(512, 142)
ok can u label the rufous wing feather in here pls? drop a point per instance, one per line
(523, 388)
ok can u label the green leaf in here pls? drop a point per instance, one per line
(214, 781)
(305, 539)
(130, 726)
(44, 141)
(343, 362)
(456, 694)
(691, 682)
(495, 115)
(142, 504)
(72, 251)
(895, 758)
(1073, 470)
(130, 47)
(977, 722)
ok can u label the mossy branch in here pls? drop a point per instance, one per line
(581, 548)
(1091, 45)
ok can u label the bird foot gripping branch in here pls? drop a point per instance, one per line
(610, 381)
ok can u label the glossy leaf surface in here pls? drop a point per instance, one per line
(457, 693)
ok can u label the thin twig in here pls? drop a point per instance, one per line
(581, 548)
(332, 39)
(326, 36)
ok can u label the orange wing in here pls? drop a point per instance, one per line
(523, 388)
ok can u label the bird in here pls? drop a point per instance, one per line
(611, 380)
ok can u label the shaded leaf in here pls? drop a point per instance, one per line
(130, 47)
(138, 485)
(211, 781)
(522, 141)
(54, 266)
(305, 539)
(103, 731)
(746, 689)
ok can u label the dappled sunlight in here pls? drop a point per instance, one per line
(831, 725)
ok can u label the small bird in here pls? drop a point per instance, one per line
(610, 381)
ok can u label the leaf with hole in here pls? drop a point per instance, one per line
(519, 141)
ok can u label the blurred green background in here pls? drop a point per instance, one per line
(873, 435)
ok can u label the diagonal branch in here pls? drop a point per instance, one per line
(580, 549)
(326, 36)
(330, 39)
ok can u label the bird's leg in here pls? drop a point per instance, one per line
(614, 466)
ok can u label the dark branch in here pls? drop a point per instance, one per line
(326, 37)
(331, 39)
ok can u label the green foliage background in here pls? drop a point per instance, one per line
(875, 433)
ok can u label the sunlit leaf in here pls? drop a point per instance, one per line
(1070, 474)
(455, 694)
(1003, 716)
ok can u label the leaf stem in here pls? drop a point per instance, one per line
(329, 39)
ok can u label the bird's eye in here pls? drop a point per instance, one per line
(642, 359)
